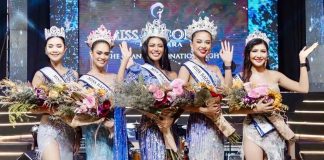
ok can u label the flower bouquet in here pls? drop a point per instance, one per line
(93, 106)
(22, 98)
(154, 101)
(247, 95)
(205, 96)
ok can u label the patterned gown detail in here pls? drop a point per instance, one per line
(150, 137)
(57, 130)
(272, 143)
(205, 141)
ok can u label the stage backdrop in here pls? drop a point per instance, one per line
(315, 33)
(126, 19)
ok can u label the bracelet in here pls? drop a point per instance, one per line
(303, 65)
(227, 67)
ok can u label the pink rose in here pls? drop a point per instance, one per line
(177, 83)
(159, 95)
(178, 91)
(171, 96)
(153, 88)
(253, 94)
(89, 101)
(262, 90)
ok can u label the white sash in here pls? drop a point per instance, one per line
(162, 78)
(52, 75)
(199, 73)
(95, 83)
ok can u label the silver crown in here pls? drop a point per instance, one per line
(100, 34)
(257, 35)
(54, 32)
(200, 25)
(155, 29)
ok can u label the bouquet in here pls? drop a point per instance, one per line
(155, 101)
(204, 96)
(93, 106)
(247, 95)
(22, 98)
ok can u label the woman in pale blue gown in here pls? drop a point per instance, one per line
(99, 137)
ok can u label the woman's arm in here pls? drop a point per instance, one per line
(125, 62)
(303, 84)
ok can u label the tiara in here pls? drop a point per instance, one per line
(200, 25)
(257, 35)
(100, 34)
(155, 29)
(54, 32)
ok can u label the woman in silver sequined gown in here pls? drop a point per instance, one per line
(204, 139)
(271, 145)
(55, 138)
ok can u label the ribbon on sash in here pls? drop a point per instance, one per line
(202, 75)
(52, 75)
(95, 83)
(161, 77)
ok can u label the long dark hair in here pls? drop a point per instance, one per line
(164, 61)
(99, 41)
(247, 64)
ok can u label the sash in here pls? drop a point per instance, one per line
(263, 126)
(161, 77)
(95, 83)
(199, 73)
(52, 75)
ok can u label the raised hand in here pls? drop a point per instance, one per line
(226, 53)
(305, 52)
(126, 53)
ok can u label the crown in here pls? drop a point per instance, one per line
(155, 29)
(100, 34)
(54, 32)
(201, 25)
(257, 35)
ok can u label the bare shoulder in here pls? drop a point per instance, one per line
(38, 79)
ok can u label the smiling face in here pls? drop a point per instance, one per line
(201, 44)
(100, 54)
(55, 49)
(155, 49)
(259, 55)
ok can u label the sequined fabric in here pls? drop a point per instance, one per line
(204, 140)
(47, 134)
(151, 139)
(57, 130)
(272, 143)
